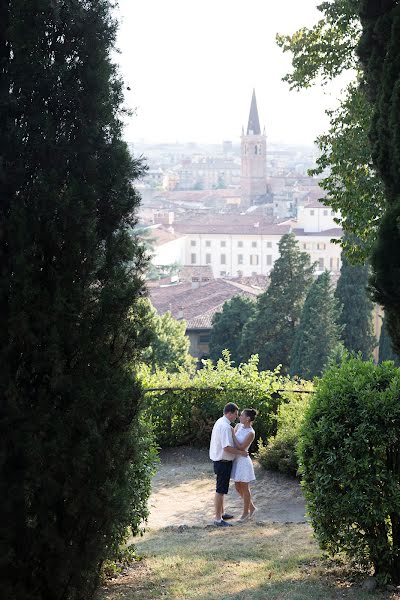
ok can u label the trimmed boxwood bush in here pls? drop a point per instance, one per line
(350, 462)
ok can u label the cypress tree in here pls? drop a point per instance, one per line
(356, 315)
(71, 276)
(270, 333)
(228, 325)
(385, 346)
(318, 334)
(379, 51)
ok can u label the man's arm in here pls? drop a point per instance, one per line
(236, 451)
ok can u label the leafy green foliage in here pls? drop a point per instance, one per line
(352, 187)
(74, 474)
(228, 326)
(318, 333)
(270, 333)
(356, 315)
(169, 347)
(186, 412)
(280, 453)
(327, 49)
(349, 448)
(319, 55)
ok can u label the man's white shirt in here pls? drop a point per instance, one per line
(221, 437)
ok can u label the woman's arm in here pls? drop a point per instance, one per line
(246, 442)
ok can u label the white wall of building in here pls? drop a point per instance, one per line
(314, 219)
(170, 253)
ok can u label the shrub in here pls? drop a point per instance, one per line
(280, 454)
(349, 458)
(186, 412)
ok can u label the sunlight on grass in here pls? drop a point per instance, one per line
(253, 562)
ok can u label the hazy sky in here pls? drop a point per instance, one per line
(192, 65)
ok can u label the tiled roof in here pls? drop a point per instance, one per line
(196, 303)
(234, 224)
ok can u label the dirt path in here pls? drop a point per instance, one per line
(184, 486)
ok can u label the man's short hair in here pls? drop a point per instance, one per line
(230, 408)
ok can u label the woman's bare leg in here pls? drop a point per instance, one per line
(246, 498)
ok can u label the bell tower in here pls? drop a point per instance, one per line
(254, 159)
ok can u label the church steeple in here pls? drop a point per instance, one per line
(254, 165)
(253, 127)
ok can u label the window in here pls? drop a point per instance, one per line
(223, 244)
(254, 274)
(254, 244)
(331, 264)
(321, 246)
(204, 339)
(240, 259)
(240, 244)
(304, 246)
(325, 213)
(321, 264)
(223, 259)
(254, 259)
(208, 243)
(193, 258)
(312, 213)
(269, 259)
(269, 244)
(208, 259)
(192, 242)
(222, 273)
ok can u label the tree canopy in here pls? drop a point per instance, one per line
(270, 332)
(74, 471)
(318, 334)
(228, 327)
(320, 54)
(356, 315)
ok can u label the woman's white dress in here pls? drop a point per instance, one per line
(242, 468)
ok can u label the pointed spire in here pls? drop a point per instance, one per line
(253, 127)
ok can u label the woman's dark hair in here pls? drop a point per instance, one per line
(250, 412)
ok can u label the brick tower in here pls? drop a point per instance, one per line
(254, 163)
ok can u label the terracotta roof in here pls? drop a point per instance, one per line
(197, 304)
(161, 235)
(233, 224)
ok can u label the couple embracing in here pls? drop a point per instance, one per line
(229, 452)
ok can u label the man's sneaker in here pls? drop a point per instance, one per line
(226, 516)
(222, 524)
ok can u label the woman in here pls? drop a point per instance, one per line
(242, 469)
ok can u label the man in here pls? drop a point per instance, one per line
(222, 453)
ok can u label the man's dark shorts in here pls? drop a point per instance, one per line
(222, 469)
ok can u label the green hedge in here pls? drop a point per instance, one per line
(186, 413)
(350, 463)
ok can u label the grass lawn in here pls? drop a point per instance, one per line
(245, 562)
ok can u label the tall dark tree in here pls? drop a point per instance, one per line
(385, 346)
(70, 280)
(270, 333)
(318, 334)
(228, 326)
(379, 51)
(356, 316)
